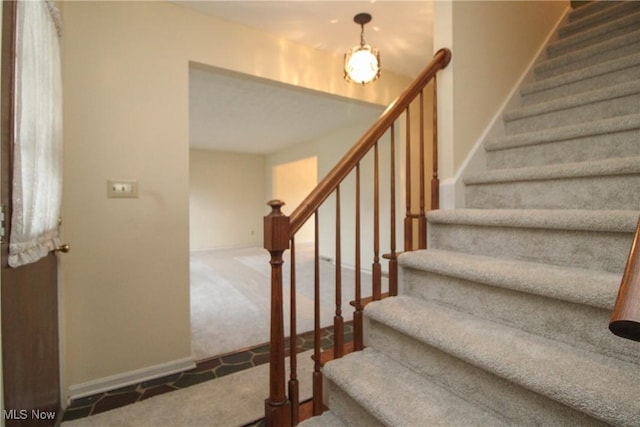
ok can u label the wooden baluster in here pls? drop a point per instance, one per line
(393, 258)
(276, 241)
(357, 314)
(338, 323)
(376, 269)
(317, 374)
(435, 181)
(294, 392)
(408, 221)
(422, 220)
(625, 320)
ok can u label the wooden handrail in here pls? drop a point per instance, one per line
(625, 320)
(339, 172)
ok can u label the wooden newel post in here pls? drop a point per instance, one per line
(277, 407)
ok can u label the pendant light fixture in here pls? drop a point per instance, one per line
(362, 63)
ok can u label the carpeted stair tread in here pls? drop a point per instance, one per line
(622, 221)
(581, 286)
(546, 367)
(595, 184)
(396, 396)
(595, 33)
(327, 419)
(572, 101)
(595, 18)
(580, 74)
(590, 8)
(606, 167)
(560, 303)
(572, 131)
(614, 47)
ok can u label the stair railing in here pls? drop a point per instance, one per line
(625, 320)
(282, 406)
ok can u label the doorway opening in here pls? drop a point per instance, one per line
(251, 140)
(230, 296)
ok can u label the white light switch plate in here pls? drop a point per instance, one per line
(122, 188)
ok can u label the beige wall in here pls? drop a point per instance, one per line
(125, 71)
(226, 199)
(329, 149)
(293, 181)
(492, 43)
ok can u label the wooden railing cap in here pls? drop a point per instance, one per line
(276, 206)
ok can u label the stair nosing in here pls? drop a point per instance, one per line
(577, 24)
(588, 51)
(601, 29)
(573, 101)
(551, 281)
(606, 167)
(562, 133)
(584, 73)
(579, 13)
(539, 364)
(390, 414)
(615, 221)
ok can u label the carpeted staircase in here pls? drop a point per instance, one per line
(503, 321)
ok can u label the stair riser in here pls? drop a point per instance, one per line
(596, 82)
(629, 104)
(587, 39)
(597, 147)
(599, 192)
(583, 249)
(578, 325)
(572, 62)
(517, 404)
(347, 409)
(597, 19)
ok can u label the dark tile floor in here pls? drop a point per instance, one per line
(205, 370)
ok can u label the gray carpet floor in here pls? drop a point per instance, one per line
(230, 297)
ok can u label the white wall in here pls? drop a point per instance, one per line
(492, 43)
(125, 75)
(226, 199)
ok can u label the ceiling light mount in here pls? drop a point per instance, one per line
(362, 18)
(362, 63)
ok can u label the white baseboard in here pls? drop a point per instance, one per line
(448, 193)
(132, 377)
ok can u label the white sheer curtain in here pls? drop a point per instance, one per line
(37, 170)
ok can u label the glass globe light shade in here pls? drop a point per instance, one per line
(362, 64)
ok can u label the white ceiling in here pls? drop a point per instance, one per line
(234, 112)
(240, 113)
